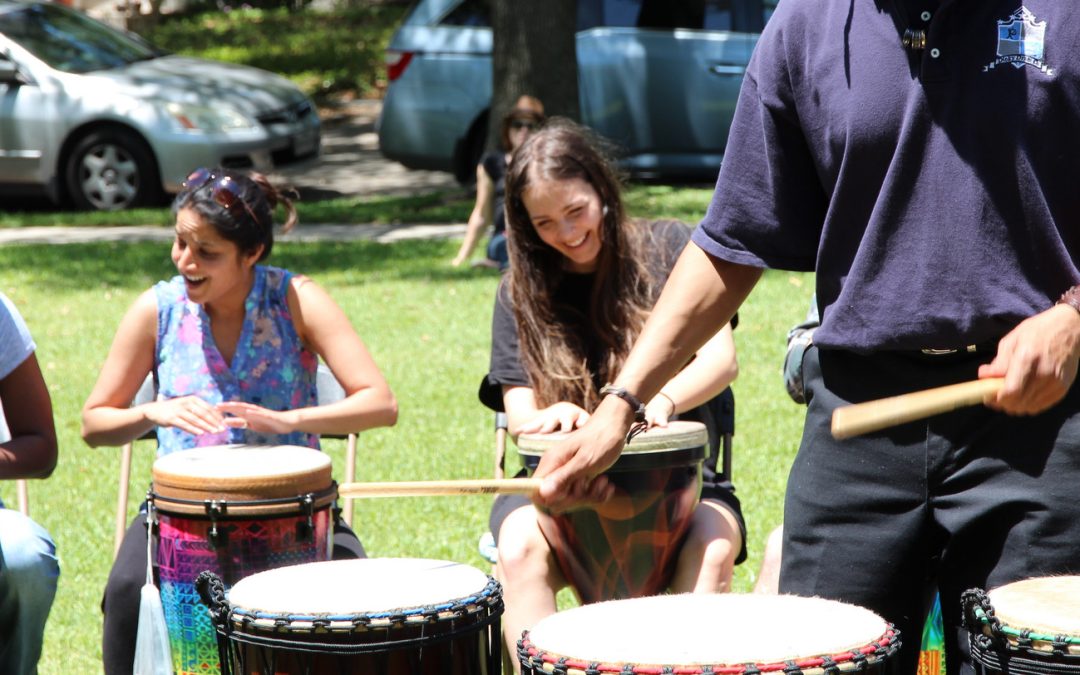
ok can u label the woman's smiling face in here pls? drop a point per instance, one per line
(567, 215)
(212, 266)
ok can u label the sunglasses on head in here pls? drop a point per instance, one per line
(225, 192)
(524, 124)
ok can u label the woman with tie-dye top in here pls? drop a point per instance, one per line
(233, 346)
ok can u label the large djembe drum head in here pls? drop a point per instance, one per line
(380, 616)
(234, 510)
(1030, 626)
(701, 633)
(629, 545)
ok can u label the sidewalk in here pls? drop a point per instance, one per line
(83, 235)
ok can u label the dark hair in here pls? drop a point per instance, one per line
(526, 114)
(249, 222)
(553, 356)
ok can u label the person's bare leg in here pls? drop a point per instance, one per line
(529, 575)
(769, 577)
(707, 559)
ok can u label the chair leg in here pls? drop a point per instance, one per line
(24, 497)
(350, 475)
(122, 499)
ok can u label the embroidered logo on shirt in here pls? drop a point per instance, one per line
(1020, 42)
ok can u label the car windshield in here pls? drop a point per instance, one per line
(69, 41)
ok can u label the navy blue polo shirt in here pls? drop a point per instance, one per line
(936, 193)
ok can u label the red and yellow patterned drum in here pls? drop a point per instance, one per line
(627, 547)
(233, 510)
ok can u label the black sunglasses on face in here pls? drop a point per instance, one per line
(524, 124)
(224, 191)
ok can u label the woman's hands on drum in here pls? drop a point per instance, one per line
(189, 413)
(572, 470)
(659, 411)
(562, 416)
(1038, 360)
(257, 418)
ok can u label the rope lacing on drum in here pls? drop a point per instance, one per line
(792, 668)
(212, 591)
(593, 668)
(487, 600)
(829, 665)
(978, 610)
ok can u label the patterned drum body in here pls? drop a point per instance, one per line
(1027, 627)
(235, 511)
(378, 616)
(628, 546)
(710, 633)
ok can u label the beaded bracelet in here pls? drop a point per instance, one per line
(1071, 298)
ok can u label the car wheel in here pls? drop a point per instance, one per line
(112, 169)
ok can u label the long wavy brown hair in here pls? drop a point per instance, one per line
(553, 355)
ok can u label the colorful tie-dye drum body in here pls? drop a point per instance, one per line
(378, 616)
(235, 511)
(702, 633)
(628, 546)
(1028, 627)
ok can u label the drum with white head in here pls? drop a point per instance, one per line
(710, 633)
(1025, 627)
(378, 616)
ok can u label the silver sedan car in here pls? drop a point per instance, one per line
(98, 117)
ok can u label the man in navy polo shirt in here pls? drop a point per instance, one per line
(917, 156)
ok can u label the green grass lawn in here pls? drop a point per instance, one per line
(427, 326)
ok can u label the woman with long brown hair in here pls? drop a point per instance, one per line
(583, 278)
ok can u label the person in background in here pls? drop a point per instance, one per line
(525, 118)
(583, 278)
(29, 569)
(233, 346)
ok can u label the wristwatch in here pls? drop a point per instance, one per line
(633, 401)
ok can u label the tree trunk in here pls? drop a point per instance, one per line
(534, 53)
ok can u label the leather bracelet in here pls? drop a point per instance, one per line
(1071, 298)
(633, 401)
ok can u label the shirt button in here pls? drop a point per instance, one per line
(935, 52)
(925, 16)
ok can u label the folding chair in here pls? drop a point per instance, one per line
(329, 390)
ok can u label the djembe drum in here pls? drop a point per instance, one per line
(628, 546)
(1026, 627)
(377, 616)
(710, 633)
(234, 510)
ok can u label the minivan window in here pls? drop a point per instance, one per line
(658, 14)
(469, 13)
(68, 41)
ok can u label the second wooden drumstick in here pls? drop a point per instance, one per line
(862, 418)
(520, 486)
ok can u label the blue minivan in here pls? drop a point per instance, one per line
(661, 83)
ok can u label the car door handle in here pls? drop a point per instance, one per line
(725, 69)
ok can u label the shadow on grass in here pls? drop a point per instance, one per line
(135, 265)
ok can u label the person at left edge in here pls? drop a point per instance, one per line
(29, 569)
(233, 346)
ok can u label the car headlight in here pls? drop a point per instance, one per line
(221, 117)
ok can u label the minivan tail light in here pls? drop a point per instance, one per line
(396, 62)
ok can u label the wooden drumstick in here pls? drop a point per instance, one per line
(420, 488)
(862, 418)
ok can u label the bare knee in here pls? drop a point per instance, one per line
(707, 561)
(524, 554)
